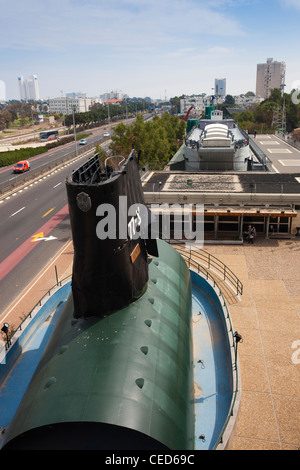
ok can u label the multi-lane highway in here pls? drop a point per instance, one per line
(34, 226)
(42, 161)
(34, 219)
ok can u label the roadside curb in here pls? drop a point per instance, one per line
(58, 268)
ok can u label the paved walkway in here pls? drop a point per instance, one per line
(285, 158)
(268, 318)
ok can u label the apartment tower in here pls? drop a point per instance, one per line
(29, 89)
(269, 75)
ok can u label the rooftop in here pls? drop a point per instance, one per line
(231, 182)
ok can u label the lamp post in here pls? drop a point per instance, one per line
(237, 338)
(73, 110)
(5, 330)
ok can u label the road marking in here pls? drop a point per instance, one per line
(44, 238)
(279, 150)
(37, 235)
(25, 248)
(56, 185)
(17, 211)
(48, 212)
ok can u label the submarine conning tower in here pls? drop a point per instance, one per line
(110, 267)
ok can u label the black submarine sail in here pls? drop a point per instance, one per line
(108, 273)
(117, 371)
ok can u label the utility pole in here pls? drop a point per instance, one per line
(73, 110)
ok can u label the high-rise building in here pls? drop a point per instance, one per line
(269, 75)
(220, 86)
(29, 89)
(2, 91)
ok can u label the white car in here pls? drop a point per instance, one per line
(83, 142)
(106, 134)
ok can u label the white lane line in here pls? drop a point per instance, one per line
(17, 212)
(56, 185)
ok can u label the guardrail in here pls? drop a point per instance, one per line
(233, 337)
(20, 180)
(212, 263)
(262, 157)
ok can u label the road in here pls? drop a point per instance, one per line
(35, 221)
(42, 160)
(34, 226)
(284, 157)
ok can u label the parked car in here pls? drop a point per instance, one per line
(82, 142)
(22, 166)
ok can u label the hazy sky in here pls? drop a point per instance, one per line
(145, 47)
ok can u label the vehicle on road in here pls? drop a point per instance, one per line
(22, 166)
(106, 134)
(83, 142)
(48, 135)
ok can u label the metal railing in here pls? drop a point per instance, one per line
(261, 156)
(212, 263)
(233, 338)
(59, 283)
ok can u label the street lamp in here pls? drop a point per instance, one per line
(5, 330)
(73, 109)
(238, 338)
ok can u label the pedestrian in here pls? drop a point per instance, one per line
(253, 230)
(254, 134)
(251, 238)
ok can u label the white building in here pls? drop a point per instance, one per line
(113, 95)
(220, 87)
(2, 91)
(29, 88)
(66, 105)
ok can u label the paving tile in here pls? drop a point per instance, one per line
(277, 345)
(251, 345)
(256, 379)
(283, 320)
(288, 418)
(270, 287)
(241, 443)
(284, 377)
(256, 419)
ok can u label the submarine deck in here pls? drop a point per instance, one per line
(212, 384)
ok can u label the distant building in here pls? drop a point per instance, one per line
(113, 95)
(220, 87)
(269, 76)
(78, 94)
(2, 91)
(66, 105)
(199, 103)
(29, 88)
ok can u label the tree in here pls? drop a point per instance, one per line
(155, 140)
(229, 100)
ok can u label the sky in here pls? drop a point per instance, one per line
(155, 48)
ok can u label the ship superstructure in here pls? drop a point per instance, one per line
(213, 144)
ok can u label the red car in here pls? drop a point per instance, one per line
(22, 166)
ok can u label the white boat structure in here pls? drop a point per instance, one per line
(213, 144)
